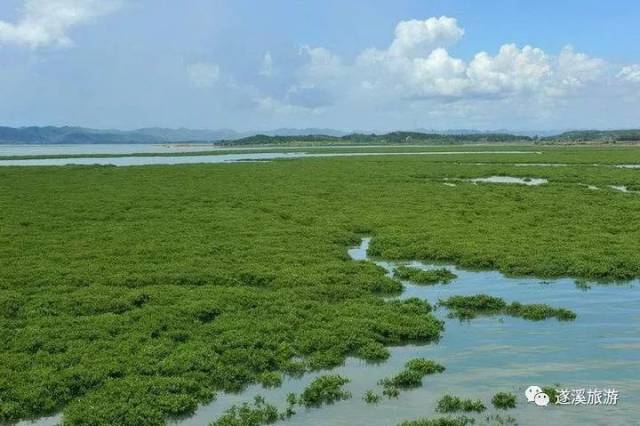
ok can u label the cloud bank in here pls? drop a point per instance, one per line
(45, 23)
(417, 65)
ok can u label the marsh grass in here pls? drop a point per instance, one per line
(257, 414)
(128, 295)
(468, 307)
(410, 377)
(504, 400)
(451, 404)
(500, 420)
(419, 276)
(552, 392)
(324, 390)
(440, 421)
(270, 379)
(370, 397)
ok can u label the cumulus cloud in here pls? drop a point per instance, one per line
(512, 70)
(416, 74)
(575, 70)
(418, 38)
(630, 73)
(47, 22)
(417, 65)
(203, 74)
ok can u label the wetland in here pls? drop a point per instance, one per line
(169, 293)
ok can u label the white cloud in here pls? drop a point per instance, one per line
(418, 38)
(47, 22)
(266, 69)
(417, 65)
(437, 74)
(574, 70)
(630, 73)
(203, 75)
(417, 75)
(512, 70)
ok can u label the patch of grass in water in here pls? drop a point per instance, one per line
(257, 414)
(499, 420)
(468, 307)
(504, 400)
(370, 397)
(552, 393)
(390, 391)
(440, 421)
(410, 377)
(451, 404)
(324, 390)
(419, 276)
(539, 312)
(582, 285)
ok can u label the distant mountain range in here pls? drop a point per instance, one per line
(80, 135)
(155, 135)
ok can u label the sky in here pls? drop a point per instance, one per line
(367, 65)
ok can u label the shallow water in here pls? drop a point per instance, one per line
(43, 421)
(621, 188)
(492, 354)
(510, 179)
(87, 149)
(222, 158)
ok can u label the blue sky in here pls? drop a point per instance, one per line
(367, 65)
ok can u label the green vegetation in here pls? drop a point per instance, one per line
(370, 397)
(500, 420)
(410, 377)
(373, 352)
(602, 136)
(81, 135)
(128, 295)
(504, 400)
(471, 306)
(424, 366)
(467, 307)
(538, 312)
(270, 379)
(292, 401)
(552, 393)
(392, 138)
(440, 421)
(419, 276)
(451, 404)
(391, 391)
(258, 414)
(324, 390)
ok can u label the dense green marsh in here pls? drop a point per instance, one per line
(129, 295)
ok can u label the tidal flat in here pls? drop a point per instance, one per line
(142, 294)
